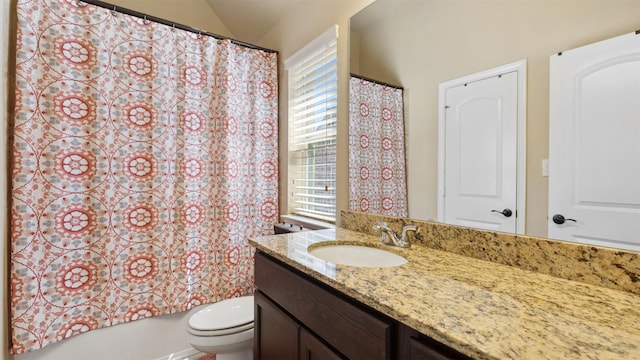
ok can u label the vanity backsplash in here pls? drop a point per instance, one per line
(611, 268)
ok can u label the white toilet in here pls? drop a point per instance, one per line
(224, 328)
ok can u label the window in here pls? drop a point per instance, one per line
(313, 80)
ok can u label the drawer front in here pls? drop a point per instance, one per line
(349, 329)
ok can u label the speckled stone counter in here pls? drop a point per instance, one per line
(612, 268)
(480, 308)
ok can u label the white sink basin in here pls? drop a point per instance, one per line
(358, 256)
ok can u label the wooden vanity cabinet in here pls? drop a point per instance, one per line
(344, 327)
(298, 317)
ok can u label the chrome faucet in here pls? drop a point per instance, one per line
(389, 237)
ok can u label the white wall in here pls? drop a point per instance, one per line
(194, 13)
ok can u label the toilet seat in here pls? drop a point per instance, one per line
(221, 332)
(225, 317)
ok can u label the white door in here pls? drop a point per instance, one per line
(480, 153)
(594, 144)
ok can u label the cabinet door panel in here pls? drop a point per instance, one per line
(429, 349)
(276, 334)
(422, 351)
(311, 348)
(412, 345)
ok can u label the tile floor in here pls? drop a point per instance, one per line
(206, 357)
(193, 355)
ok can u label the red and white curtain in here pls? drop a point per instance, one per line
(144, 157)
(377, 174)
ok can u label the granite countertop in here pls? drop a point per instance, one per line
(483, 309)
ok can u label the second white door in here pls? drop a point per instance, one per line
(481, 154)
(594, 144)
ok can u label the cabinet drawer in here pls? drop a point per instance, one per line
(348, 328)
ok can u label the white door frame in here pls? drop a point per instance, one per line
(521, 68)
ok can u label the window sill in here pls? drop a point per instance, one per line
(308, 223)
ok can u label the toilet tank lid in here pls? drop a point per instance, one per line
(224, 314)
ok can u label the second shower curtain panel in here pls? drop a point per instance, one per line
(143, 158)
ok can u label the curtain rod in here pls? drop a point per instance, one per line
(138, 14)
(376, 81)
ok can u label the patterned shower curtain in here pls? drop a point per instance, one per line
(144, 156)
(377, 175)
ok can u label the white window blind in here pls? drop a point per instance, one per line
(312, 74)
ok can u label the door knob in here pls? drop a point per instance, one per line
(505, 212)
(559, 219)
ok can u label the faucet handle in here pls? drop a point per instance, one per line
(404, 238)
(410, 227)
(380, 226)
(383, 228)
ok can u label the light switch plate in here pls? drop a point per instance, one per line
(545, 167)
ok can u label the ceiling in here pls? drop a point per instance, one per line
(249, 20)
